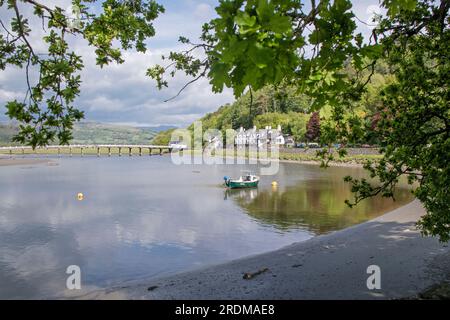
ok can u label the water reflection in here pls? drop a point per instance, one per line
(316, 205)
(144, 217)
(245, 195)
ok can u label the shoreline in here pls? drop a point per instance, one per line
(331, 266)
(355, 158)
(6, 161)
(346, 164)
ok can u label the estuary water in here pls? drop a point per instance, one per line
(144, 217)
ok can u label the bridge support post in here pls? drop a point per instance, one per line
(120, 151)
(109, 152)
(98, 151)
(140, 151)
(10, 152)
(81, 151)
(160, 151)
(149, 151)
(70, 151)
(129, 152)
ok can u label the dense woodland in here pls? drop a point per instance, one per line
(284, 105)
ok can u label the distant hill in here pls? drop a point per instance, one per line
(7, 131)
(92, 133)
(159, 128)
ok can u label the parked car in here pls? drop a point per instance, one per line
(313, 145)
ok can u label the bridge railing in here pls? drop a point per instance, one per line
(84, 147)
(89, 146)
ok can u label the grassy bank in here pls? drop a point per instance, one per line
(357, 158)
(289, 156)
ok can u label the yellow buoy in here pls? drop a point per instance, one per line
(274, 183)
(80, 196)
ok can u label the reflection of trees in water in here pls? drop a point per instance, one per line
(315, 205)
(246, 195)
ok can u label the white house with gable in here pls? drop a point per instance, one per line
(261, 137)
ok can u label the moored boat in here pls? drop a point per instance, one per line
(244, 181)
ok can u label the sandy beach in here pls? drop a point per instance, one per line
(7, 161)
(332, 266)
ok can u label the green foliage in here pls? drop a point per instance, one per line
(269, 106)
(272, 119)
(163, 137)
(413, 126)
(47, 112)
(258, 42)
(292, 123)
(284, 106)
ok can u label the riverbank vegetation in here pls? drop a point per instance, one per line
(283, 105)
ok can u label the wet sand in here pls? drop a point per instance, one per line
(332, 266)
(7, 161)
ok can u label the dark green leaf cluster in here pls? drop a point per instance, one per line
(413, 125)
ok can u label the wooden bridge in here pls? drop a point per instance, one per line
(97, 148)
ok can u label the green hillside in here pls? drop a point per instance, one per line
(285, 106)
(7, 131)
(92, 133)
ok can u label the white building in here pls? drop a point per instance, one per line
(261, 137)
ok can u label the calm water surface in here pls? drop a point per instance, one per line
(145, 217)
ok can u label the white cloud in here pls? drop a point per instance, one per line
(6, 95)
(204, 11)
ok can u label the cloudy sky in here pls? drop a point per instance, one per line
(123, 94)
